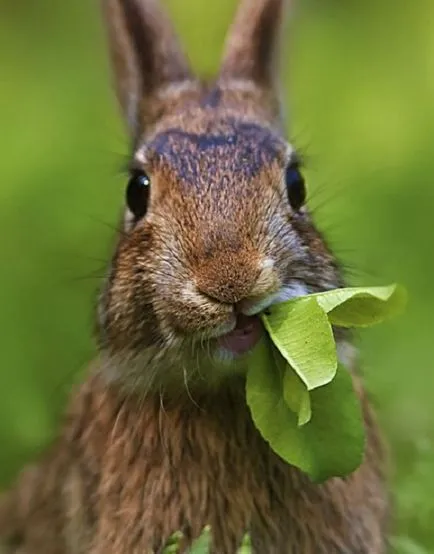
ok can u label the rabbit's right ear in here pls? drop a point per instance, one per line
(252, 45)
(145, 55)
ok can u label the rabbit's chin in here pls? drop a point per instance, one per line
(183, 364)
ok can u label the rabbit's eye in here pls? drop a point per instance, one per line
(295, 187)
(137, 193)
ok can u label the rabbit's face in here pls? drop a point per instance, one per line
(215, 228)
(219, 236)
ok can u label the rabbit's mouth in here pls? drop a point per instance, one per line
(244, 337)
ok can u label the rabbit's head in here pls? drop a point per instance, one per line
(215, 228)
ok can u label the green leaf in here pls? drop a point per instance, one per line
(172, 545)
(330, 444)
(362, 306)
(302, 333)
(295, 391)
(301, 401)
(246, 545)
(203, 543)
(296, 395)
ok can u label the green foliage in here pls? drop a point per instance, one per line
(202, 544)
(330, 444)
(362, 306)
(301, 401)
(302, 333)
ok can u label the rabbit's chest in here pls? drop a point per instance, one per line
(162, 470)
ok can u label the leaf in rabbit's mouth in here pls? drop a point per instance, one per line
(302, 400)
(244, 337)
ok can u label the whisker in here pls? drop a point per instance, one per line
(162, 412)
(92, 275)
(112, 226)
(185, 374)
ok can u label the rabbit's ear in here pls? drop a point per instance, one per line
(145, 54)
(251, 51)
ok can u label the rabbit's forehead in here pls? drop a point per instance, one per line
(221, 150)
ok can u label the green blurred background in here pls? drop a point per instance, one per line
(360, 82)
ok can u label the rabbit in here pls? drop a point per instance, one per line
(159, 438)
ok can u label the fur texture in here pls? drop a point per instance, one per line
(128, 473)
(159, 437)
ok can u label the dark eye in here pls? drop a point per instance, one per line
(295, 187)
(138, 193)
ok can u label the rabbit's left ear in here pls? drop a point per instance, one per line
(145, 54)
(252, 45)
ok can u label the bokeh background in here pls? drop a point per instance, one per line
(360, 86)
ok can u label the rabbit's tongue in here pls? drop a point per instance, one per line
(244, 337)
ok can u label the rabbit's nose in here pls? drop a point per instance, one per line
(228, 277)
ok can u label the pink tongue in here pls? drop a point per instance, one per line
(244, 337)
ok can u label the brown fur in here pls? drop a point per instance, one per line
(159, 437)
(127, 474)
